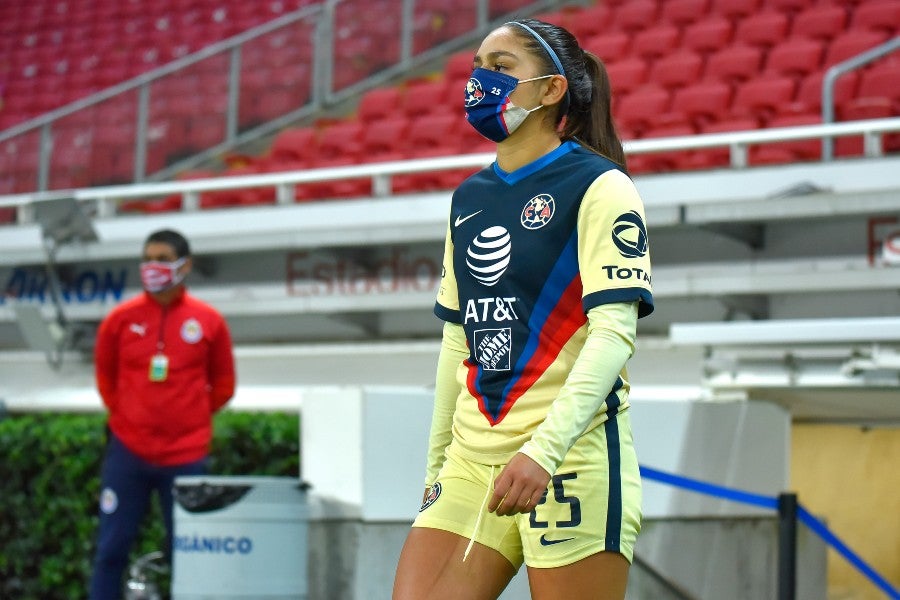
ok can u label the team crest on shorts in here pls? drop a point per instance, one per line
(538, 211)
(191, 331)
(109, 502)
(433, 494)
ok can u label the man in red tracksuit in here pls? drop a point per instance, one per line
(164, 366)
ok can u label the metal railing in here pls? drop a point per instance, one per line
(380, 174)
(830, 81)
(316, 32)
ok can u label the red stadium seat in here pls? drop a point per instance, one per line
(655, 41)
(387, 136)
(610, 46)
(459, 67)
(639, 110)
(763, 97)
(432, 97)
(881, 81)
(789, 6)
(764, 29)
(711, 158)
(852, 43)
(627, 75)
(294, 144)
(669, 160)
(635, 15)
(708, 36)
(684, 12)
(880, 15)
(380, 103)
(735, 63)
(703, 103)
(809, 95)
(788, 152)
(677, 70)
(796, 57)
(821, 22)
(588, 22)
(735, 9)
(341, 140)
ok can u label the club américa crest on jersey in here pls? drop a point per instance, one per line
(538, 211)
(431, 497)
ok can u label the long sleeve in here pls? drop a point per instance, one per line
(453, 353)
(105, 363)
(221, 369)
(609, 345)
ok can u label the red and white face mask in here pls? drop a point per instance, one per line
(158, 276)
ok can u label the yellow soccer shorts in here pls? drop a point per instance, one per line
(592, 504)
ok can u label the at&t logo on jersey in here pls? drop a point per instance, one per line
(495, 309)
(493, 348)
(538, 211)
(488, 255)
(629, 234)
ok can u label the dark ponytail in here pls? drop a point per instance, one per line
(586, 113)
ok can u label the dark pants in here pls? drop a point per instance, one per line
(127, 483)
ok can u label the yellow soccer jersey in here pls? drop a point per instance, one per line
(527, 254)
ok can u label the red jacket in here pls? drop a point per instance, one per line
(165, 422)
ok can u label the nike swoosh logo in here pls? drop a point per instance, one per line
(461, 220)
(546, 542)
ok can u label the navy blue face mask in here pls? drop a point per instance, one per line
(488, 108)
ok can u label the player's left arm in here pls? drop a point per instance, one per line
(221, 367)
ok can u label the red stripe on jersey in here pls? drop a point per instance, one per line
(561, 324)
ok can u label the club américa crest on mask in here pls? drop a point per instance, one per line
(538, 211)
(431, 497)
(474, 92)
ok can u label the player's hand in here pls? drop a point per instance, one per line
(519, 486)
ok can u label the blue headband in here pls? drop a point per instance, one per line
(553, 56)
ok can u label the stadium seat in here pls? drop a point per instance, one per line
(672, 160)
(795, 57)
(655, 41)
(639, 110)
(703, 103)
(677, 70)
(459, 67)
(879, 15)
(821, 22)
(809, 94)
(684, 12)
(762, 98)
(297, 144)
(627, 75)
(789, 6)
(733, 64)
(635, 15)
(380, 103)
(788, 152)
(735, 9)
(852, 43)
(711, 158)
(610, 46)
(341, 140)
(436, 97)
(764, 29)
(588, 22)
(385, 137)
(708, 35)
(881, 81)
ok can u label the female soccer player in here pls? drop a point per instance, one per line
(546, 271)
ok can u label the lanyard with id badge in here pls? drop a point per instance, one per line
(159, 363)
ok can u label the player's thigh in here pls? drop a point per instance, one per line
(601, 576)
(431, 567)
